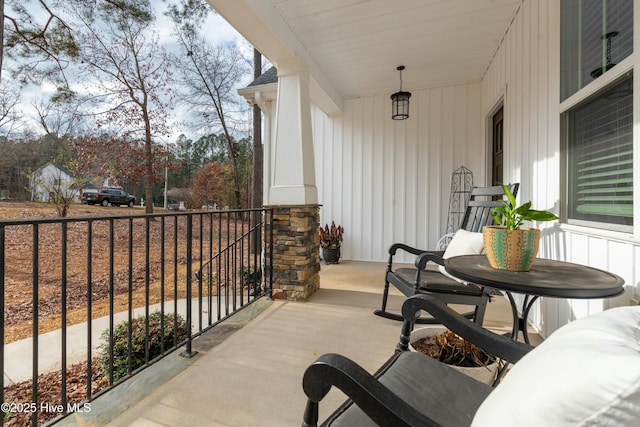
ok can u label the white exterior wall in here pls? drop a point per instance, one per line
(48, 174)
(389, 181)
(524, 76)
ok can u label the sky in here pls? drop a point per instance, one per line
(218, 32)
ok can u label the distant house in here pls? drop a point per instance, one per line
(50, 176)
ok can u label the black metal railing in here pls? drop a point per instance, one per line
(72, 282)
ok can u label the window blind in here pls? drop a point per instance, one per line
(601, 156)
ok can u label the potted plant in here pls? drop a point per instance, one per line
(330, 241)
(444, 345)
(508, 245)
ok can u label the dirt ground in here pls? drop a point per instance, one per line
(19, 270)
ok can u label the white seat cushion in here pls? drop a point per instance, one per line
(587, 373)
(463, 243)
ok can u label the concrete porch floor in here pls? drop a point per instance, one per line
(253, 377)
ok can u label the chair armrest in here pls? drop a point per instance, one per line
(433, 256)
(494, 344)
(376, 400)
(423, 255)
(415, 251)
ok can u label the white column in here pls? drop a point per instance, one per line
(293, 179)
(266, 106)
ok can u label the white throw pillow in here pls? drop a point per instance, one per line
(463, 243)
(587, 373)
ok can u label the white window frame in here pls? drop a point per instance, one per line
(629, 64)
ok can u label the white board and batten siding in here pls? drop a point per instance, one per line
(524, 77)
(389, 181)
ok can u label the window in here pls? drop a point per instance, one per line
(596, 35)
(600, 157)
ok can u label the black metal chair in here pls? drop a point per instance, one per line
(410, 389)
(412, 281)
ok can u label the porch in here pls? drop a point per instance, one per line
(253, 377)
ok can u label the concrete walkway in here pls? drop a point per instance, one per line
(251, 376)
(18, 355)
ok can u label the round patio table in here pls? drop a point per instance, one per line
(547, 278)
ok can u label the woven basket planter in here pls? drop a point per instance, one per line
(486, 374)
(513, 250)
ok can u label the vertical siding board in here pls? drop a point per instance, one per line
(399, 179)
(543, 190)
(435, 147)
(535, 156)
(367, 179)
(524, 144)
(389, 185)
(620, 260)
(422, 159)
(517, 118)
(410, 176)
(355, 171)
(474, 140)
(336, 162)
(447, 155)
(347, 179)
(377, 203)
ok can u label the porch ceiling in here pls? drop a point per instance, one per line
(353, 47)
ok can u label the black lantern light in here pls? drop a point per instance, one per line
(400, 101)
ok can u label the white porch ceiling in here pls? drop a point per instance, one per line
(353, 47)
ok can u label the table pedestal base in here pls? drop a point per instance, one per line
(520, 323)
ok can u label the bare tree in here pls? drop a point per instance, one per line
(10, 116)
(131, 77)
(56, 118)
(256, 193)
(209, 75)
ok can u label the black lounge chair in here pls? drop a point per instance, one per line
(419, 280)
(585, 373)
(410, 389)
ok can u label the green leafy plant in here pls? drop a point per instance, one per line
(512, 217)
(162, 336)
(251, 274)
(331, 237)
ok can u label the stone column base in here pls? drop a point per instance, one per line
(296, 251)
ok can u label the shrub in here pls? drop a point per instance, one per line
(251, 274)
(158, 340)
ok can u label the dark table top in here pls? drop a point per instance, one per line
(546, 278)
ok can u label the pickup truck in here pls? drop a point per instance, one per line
(110, 196)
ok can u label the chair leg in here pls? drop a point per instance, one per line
(310, 417)
(385, 295)
(478, 316)
(383, 311)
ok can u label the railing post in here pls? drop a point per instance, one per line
(270, 253)
(2, 247)
(189, 351)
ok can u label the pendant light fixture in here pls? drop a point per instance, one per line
(400, 101)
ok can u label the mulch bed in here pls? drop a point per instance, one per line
(18, 396)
